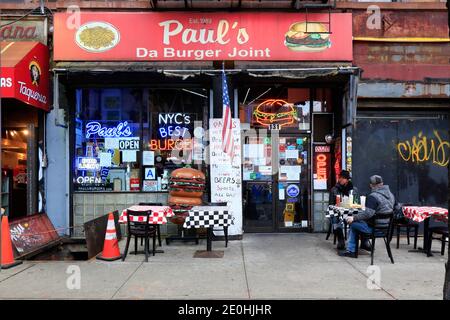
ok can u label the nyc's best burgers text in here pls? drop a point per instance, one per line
(225, 33)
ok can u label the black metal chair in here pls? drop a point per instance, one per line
(408, 225)
(382, 228)
(225, 229)
(401, 222)
(443, 232)
(158, 229)
(140, 229)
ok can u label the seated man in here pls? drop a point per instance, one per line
(342, 188)
(380, 200)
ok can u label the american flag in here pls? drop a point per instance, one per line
(227, 133)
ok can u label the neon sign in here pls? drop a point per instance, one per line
(171, 131)
(89, 180)
(285, 113)
(322, 166)
(174, 118)
(95, 128)
(170, 144)
(88, 163)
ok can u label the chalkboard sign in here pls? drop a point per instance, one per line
(32, 233)
(410, 153)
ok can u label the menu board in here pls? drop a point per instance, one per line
(226, 184)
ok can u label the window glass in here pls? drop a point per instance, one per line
(275, 108)
(130, 139)
(173, 133)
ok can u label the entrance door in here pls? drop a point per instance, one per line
(276, 183)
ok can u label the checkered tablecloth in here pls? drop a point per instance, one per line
(338, 214)
(419, 214)
(159, 214)
(335, 211)
(208, 216)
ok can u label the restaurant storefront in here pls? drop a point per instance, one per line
(130, 110)
(25, 99)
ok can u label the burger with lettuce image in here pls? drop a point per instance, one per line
(307, 37)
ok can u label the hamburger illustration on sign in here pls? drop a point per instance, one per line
(307, 37)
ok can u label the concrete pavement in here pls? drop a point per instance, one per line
(261, 266)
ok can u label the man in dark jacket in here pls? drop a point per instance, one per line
(342, 188)
(380, 200)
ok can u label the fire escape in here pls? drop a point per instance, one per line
(306, 6)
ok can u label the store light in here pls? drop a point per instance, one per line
(25, 132)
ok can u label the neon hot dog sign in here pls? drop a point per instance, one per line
(94, 128)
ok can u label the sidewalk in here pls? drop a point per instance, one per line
(261, 266)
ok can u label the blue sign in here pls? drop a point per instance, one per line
(96, 129)
(88, 163)
(292, 190)
(172, 131)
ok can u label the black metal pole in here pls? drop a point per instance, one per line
(209, 239)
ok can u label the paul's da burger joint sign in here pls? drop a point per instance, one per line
(142, 36)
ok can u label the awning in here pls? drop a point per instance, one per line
(24, 73)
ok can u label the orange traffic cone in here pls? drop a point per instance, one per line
(111, 250)
(7, 258)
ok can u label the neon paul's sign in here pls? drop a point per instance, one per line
(95, 129)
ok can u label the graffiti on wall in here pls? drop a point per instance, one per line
(421, 148)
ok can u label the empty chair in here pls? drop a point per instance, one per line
(158, 227)
(139, 227)
(442, 231)
(408, 225)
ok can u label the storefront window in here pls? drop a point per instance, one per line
(129, 139)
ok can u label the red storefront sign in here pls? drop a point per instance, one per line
(24, 73)
(143, 36)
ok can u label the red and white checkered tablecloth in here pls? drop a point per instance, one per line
(159, 214)
(419, 214)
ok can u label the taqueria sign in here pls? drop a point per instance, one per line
(131, 36)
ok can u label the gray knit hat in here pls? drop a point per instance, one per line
(376, 179)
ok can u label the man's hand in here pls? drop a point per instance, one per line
(349, 220)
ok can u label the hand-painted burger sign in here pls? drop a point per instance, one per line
(109, 36)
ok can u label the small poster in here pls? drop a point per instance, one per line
(148, 158)
(105, 159)
(128, 156)
(150, 185)
(291, 173)
(111, 143)
(281, 194)
(292, 154)
(150, 174)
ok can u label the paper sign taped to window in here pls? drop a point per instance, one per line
(148, 158)
(128, 156)
(111, 143)
(105, 159)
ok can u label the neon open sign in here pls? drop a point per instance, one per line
(95, 128)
